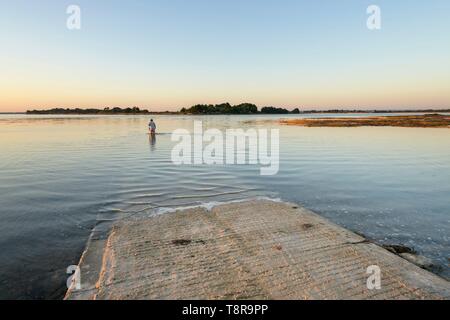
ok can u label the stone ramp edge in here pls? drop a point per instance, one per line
(93, 262)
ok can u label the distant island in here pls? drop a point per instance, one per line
(116, 110)
(226, 108)
(199, 109)
(217, 109)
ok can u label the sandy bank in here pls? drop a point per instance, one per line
(417, 121)
(250, 250)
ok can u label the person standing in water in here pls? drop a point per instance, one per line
(152, 126)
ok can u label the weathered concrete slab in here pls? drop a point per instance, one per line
(249, 250)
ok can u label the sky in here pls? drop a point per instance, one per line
(168, 54)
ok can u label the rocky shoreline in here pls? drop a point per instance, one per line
(415, 121)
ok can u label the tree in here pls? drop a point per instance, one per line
(273, 110)
(223, 108)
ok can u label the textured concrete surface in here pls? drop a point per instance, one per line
(249, 250)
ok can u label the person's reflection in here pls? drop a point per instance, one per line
(152, 141)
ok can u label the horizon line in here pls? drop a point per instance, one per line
(417, 109)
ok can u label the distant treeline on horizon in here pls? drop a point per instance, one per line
(223, 108)
(116, 110)
(226, 108)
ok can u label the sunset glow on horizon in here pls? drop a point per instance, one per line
(164, 55)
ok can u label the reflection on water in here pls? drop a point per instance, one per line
(152, 140)
(62, 175)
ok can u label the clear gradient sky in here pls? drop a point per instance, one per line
(168, 54)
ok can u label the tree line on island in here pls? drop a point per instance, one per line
(199, 109)
(115, 110)
(223, 108)
(226, 108)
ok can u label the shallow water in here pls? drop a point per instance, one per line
(60, 175)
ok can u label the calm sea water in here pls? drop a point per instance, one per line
(61, 175)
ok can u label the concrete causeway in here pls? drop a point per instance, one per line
(257, 249)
